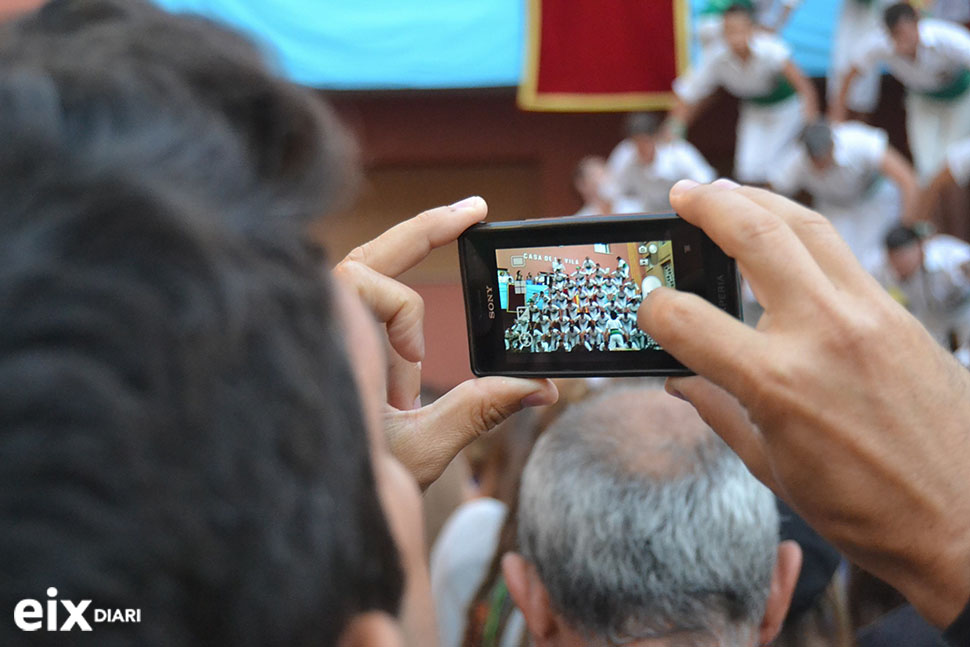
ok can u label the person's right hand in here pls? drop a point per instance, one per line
(839, 401)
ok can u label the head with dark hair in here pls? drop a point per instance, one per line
(901, 236)
(898, 12)
(288, 135)
(642, 129)
(182, 433)
(740, 8)
(904, 250)
(819, 144)
(902, 22)
(739, 25)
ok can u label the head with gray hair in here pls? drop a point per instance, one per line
(642, 524)
(819, 143)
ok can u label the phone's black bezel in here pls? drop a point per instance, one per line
(700, 267)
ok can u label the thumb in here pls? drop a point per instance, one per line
(729, 420)
(471, 409)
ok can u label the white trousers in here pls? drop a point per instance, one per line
(931, 126)
(764, 132)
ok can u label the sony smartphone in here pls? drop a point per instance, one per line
(559, 297)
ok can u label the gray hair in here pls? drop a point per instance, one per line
(642, 523)
(817, 138)
(642, 123)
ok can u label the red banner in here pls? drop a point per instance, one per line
(585, 55)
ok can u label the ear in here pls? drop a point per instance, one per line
(530, 596)
(373, 629)
(783, 580)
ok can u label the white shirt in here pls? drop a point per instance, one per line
(649, 184)
(459, 561)
(944, 258)
(958, 161)
(858, 153)
(943, 51)
(755, 77)
(938, 293)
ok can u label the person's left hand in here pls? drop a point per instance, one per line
(425, 439)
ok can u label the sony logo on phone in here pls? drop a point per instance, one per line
(489, 297)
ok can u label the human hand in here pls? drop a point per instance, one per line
(425, 439)
(839, 401)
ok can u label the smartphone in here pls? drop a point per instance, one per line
(559, 297)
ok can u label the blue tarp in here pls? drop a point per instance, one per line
(390, 44)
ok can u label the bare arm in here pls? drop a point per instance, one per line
(897, 169)
(804, 88)
(680, 118)
(930, 196)
(838, 111)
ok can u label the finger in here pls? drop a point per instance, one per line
(729, 419)
(392, 303)
(405, 245)
(778, 265)
(818, 235)
(704, 338)
(476, 406)
(436, 433)
(403, 382)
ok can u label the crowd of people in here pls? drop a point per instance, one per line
(848, 169)
(202, 425)
(591, 308)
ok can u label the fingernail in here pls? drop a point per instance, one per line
(682, 187)
(536, 399)
(725, 183)
(467, 203)
(417, 403)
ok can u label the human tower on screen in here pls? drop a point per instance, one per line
(590, 309)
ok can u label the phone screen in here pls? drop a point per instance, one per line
(559, 297)
(579, 298)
